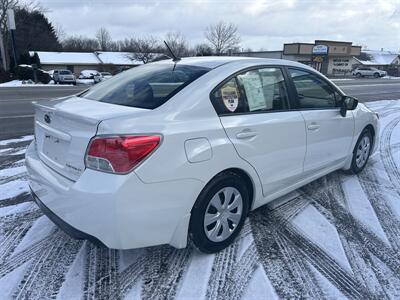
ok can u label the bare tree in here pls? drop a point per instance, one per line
(203, 50)
(178, 44)
(79, 44)
(143, 49)
(222, 36)
(103, 38)
(60, 32)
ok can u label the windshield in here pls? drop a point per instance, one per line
(147, 86)
(65, 72)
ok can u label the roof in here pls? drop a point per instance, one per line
(376, 57)
(67, 58)
(117, 58)
(216, 61)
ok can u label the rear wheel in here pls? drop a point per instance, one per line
(361, 152)
(219, 213)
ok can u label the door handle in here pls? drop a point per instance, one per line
(246, 134)
(313, 126)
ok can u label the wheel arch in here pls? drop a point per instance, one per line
(247, 180)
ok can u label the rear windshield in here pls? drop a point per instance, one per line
(147, 86)
(66, 72)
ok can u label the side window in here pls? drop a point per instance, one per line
(313, 91)
(254, 90)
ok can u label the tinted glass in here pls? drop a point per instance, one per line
(147, 86)
(312, 90)
(251, 91)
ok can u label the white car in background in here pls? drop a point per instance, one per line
(170, 149)
(63, 77)
(88, 74)
(101, 76)
(368, 71)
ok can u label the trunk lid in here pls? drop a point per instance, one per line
(64, 127)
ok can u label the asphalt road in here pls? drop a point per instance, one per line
(16, 111)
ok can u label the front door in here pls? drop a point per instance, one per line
(329, 135)
(253, 108)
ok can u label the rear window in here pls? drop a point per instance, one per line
(147, 86)
(66, 72)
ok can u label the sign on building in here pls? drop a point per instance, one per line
(320, 49)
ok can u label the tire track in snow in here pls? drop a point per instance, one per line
(11, 239)
(387, 219)
(46, 272)
(285, 267)
(358, 242)
(163, 271)
(101, 273)
(24, 256)
(21, 198)
(386, 153)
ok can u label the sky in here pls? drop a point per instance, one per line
(263, 25)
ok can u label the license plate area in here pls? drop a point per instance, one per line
(54, 149)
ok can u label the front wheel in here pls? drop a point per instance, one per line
(219, 213)
(358, 75)
(376, 75)
(361, 152)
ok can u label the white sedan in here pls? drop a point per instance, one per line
(172, 150)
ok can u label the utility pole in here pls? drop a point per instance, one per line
(3, 53)
(11, 28)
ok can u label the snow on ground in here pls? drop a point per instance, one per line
(337, 237)
(20, 83)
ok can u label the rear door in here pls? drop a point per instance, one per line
(253, 109)
(329, 135)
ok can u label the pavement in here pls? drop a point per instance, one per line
(16, 111)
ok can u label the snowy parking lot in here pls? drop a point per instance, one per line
(338, 237)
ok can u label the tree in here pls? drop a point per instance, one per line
(34, 32)
(143, 49)
(103, 38)
(203, 50)
(222, 36)
(80, 44)
(178, 44)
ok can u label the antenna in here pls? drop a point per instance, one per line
(174, 57)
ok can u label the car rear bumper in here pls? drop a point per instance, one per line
(119, 211)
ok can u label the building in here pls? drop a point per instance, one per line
(331, 58)
(99, 60)
(384, 60)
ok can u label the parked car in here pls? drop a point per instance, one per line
(101, 76)
(368, 71)
(88, 74)
(63, 76)
(170, 149)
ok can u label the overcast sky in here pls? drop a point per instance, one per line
(262, 24)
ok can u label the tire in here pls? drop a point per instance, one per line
(358, 75)
(226, 221)
(358, 165)
(376, 75)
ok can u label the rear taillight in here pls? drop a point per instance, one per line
(119, 154)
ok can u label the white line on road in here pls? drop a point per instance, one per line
(16, 117)
(368, 85)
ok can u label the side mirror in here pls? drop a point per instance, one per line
(348, 103)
